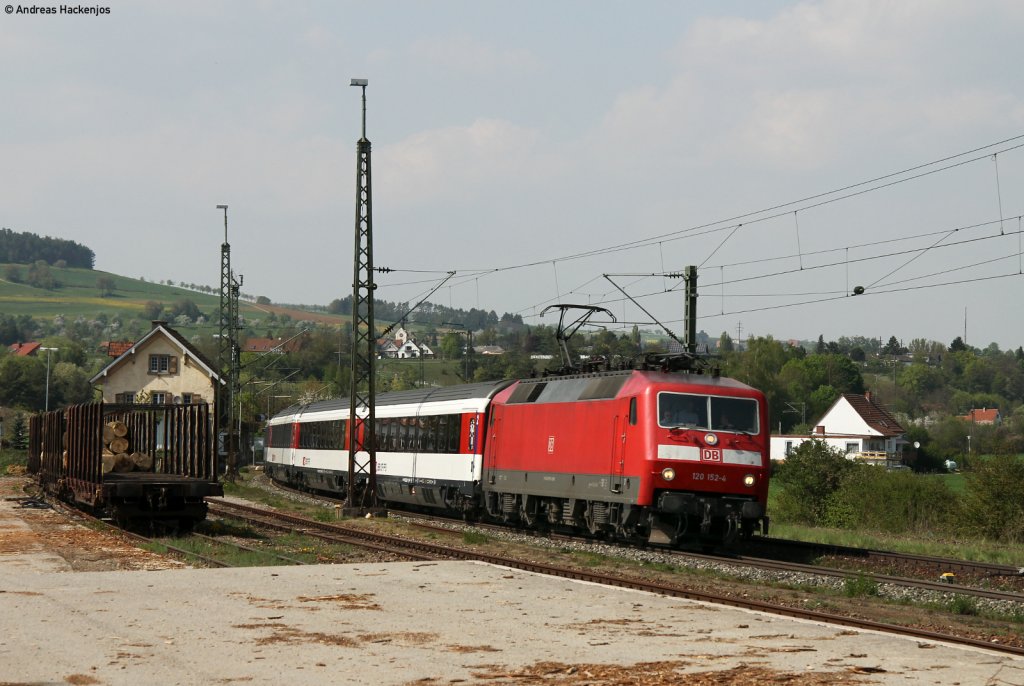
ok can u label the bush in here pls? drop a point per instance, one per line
(810, 475)
(993, 502)
(895, 502)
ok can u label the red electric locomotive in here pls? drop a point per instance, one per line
(633, 454)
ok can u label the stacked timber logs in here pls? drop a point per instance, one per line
(116, 457)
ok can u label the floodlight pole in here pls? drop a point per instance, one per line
(691, 309)
(362, 393)
(48, 351)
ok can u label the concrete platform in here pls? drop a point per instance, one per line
(418, 622)
(411, 622)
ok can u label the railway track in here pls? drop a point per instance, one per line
(439, 551)
(933, 566)
(800, 568)
(780, 550)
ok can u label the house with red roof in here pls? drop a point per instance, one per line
(116, 348)
(276, 346)
(856, 424)
(982, 416)
(24, 349)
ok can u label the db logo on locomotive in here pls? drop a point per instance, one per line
(710, 454)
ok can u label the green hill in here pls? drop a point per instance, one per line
(80, 295)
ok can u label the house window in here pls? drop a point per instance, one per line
(852, 448)
(789, 448)
(186, 398)
(124, 398)
(159, 398)
(163, 364)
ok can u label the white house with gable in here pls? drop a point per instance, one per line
(858, 426)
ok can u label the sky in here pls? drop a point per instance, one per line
(547, 152)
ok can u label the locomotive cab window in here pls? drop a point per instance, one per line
(681, 410)
(715, 413)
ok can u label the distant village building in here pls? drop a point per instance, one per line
(858, 426)
(24, 349)
(115, 348)
(488, 350)
(403, 346)
(982, 416)
(274, 346)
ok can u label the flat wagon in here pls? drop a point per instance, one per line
(140, 465)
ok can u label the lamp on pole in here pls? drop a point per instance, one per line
(48, 351)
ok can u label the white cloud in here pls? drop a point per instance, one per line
(446, 165)
(462, 54)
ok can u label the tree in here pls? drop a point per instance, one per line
(810, 475)
(185, 308)
(152, 310)
(105, 285)
(993, 504)
(893, 347)
(18, 436)
(451, 346)
(39, 276)
(725, 344)
(957, 345)
(12, 273)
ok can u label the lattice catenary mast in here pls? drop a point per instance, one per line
(228, 350)
(364, 338)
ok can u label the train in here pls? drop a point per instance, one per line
(146, 467)
(648, 455)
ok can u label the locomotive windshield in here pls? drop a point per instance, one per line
(713, 413)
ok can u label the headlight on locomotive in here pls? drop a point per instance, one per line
(668, 473)
(749, 480)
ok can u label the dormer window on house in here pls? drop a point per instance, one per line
(163, 364)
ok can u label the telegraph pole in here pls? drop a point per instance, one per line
(362, 456)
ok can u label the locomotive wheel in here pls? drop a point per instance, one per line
(593, 526)
(527, 517)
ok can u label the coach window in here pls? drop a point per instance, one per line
(430, 435)
(454, 433)
(383, 434)
(442, 434)
(632, 411)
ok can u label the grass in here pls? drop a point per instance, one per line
(475, 538)
(242, 488)
(12, 458)
(226, 553)
(860, 586)
(968, 549)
